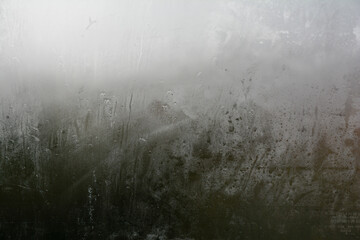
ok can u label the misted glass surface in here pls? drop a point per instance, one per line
(177, 119)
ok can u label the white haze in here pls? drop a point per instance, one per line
(285, 47)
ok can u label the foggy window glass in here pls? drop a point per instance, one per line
(149, 119)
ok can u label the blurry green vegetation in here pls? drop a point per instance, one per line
(105, 167)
